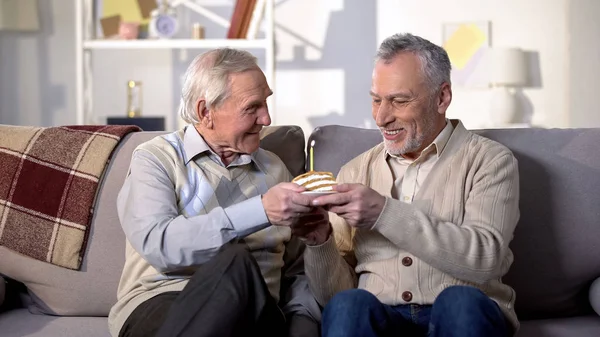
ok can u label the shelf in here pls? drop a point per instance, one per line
(175, 44)
(86, 43)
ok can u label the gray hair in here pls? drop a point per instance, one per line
(208, 77)
(435, 62)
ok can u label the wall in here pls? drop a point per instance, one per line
(336, 92)
(584, 62)
(37, 76)
(316, 80)
(325, 62)
(324, 54)
(534, 25)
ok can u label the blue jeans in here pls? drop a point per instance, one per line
(458, 311)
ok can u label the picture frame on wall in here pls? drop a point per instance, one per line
(467, 44)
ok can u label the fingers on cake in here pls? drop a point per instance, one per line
(316, 181)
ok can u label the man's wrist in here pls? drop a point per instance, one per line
(318, 240)
(381, 213)
(247, 216)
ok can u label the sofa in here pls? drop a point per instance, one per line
(556, 244)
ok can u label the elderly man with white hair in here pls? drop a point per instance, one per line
(207, 216)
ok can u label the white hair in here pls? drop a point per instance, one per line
(207, 77)
(435, 63)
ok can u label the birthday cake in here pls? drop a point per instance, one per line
(316, 181)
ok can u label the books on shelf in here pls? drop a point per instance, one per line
(245, 20)
(257, 16)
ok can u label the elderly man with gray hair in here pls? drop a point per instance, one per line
(207, 216)
(419, 230)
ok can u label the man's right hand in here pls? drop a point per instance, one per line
(284, 204)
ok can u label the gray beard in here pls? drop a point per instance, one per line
(413, 142)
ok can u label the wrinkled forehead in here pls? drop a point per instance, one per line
(250, 82)
(403, 72)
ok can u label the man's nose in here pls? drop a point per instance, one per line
(384, 114)
(264, 118)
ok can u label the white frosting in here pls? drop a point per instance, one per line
(323, 189)
(319, 183)
(312, 177)
(315, 184)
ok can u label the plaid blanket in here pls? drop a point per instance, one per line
(48, 185)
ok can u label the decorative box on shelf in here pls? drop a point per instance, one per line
(146, 123)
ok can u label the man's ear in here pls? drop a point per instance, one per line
(204, 114)
(444, 98)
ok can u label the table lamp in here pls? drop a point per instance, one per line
(508, 74)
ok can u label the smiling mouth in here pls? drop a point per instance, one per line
(392, 132)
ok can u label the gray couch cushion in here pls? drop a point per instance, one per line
(93, 290)
(336, 145)
(556, 248)
(585, 326)
(287, 142)
(557, 254)
(21, 323)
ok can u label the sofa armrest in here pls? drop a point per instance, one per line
(2, 289)
(595, 295)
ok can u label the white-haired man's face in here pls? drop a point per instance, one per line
(408, 114)
(238, 121)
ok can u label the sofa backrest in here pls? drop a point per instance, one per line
(92, 290)
(556, 243)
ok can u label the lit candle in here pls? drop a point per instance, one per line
(312, 156)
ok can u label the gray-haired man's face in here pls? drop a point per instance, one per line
(238, 121)
(403, 106)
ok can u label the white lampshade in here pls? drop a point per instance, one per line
(509, 67)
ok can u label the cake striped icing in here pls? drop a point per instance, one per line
(316, 181)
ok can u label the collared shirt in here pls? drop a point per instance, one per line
(409, 175)
(212, 204)
(179, 205)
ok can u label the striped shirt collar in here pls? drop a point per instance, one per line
(194, 145)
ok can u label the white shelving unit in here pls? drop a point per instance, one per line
(173, 44)
(86, 43)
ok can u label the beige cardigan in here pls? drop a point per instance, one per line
(456, 231)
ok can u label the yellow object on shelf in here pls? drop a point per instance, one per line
(197, 32)
(129, 10)
(134, 99)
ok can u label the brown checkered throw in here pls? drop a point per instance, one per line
(48, 183)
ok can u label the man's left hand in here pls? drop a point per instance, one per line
(358, 204)
(314, 229)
